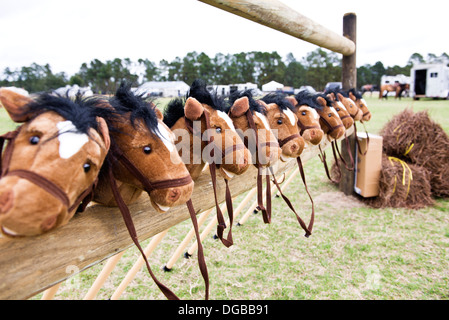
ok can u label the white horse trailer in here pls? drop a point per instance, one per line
(429, 81)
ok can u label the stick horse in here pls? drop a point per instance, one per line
(59, 138)
(143, 157)
(206, 134)
(250, 119)
(284, 123)
(330, 121)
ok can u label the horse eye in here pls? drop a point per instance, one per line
(303, 113)
(330, 115)
(338, 109)
(218, 129)
(86, 167)
(34, 140)
(279, 121)
(147, 149)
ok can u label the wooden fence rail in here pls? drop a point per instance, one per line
(28, 266)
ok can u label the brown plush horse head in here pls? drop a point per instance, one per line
(361, 103)
(51, 161)
(206, 133)
(283, 122)
(249, 115)
(142, 143)
(330, 121)
(308, 122)
(350, 105)
(345, 117)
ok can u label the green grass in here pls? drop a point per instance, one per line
(355, 252)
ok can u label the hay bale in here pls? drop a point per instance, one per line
(418, 140)
(402, 185)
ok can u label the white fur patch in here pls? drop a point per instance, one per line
(334, 112)
(226, 118)
(70, 139)
(291, 116)
(315, 113)
(166, 137)
(341, 105)
(363, 101)
(263, 119)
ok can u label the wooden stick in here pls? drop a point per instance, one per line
(103, 276)
(138, 265)
(214, 221)
(273, 189)
(50, 293)
(186, 240)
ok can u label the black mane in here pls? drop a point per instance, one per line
(280, 100)
(357, 94)
(310, 99)
(333, 91)
(125, 101)
(254, 106)
(199, 91)
(174, 111)
(82, 112)
(175, 108)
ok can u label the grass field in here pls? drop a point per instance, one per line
(355, 252)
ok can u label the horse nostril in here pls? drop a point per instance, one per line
(294, 147)
(174, 194)
(6, 201)
(49, 223)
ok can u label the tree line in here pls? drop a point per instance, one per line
(315, 69)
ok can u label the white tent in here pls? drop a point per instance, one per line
(272, 86)
(164, 88)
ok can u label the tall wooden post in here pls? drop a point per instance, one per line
(349, 81)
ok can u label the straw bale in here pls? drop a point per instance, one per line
(418, 140)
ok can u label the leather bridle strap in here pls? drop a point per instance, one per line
(322, 156)
(132, 232)
(266, 211)
(289, 138)
(304, 127)
(213, 174)
(287, 201)
(330, 127)
(148, 185)
(79, 204)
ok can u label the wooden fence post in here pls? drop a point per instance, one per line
(349, 81)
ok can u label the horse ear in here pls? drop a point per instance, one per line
(193, 109)
(292, 100)
(352, 96)
(321, 101)
(331, 96)
(240, 107)
(104, 131)
(15, 104)
(340, 96)
(159, 113)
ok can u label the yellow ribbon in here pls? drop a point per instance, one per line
(409, 149)
(404, 166)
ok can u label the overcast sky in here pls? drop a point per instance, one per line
(67, 33)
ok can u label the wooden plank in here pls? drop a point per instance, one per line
(31, 265)
(276, 15)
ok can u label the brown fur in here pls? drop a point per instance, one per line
(351, 107)
(362, 106)
(27, 209)
(345, 117)
(234, 163)
(307, 118)
(332, 119)
(269, 154)
(159, 165)
(294, 147)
